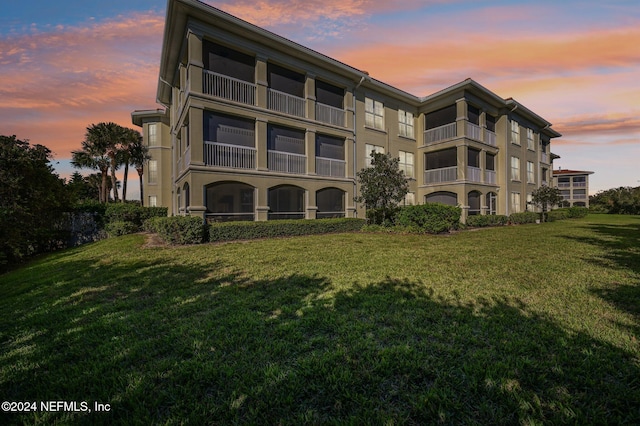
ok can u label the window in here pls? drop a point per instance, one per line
(153, 171)
(367, 155)
(515, 168)
(405, 120)
(515, 132)
(530, 145)
(473, 199)
(373, 114)
(441, 159)
(473, 158)
(153, 134)
(406, 163)
(490, 121)
(515, 202)
(491, 162)
(286, 202)
(530, 206)
(153, 201)
(531, 175)
(492, 202)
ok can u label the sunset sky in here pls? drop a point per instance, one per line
(69, 63)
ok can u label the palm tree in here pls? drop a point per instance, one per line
(93, 155)
(130, 142)
(138, 155)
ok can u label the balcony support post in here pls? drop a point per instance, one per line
(310, 150)
(195, 136)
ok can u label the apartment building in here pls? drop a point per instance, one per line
(574, 186)
(257, 127)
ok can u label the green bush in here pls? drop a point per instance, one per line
(133, 213)
(480, 221)
(558, 214)
(229, 231)
(384, 217)
(432, 218)
(178, 229)
(118, 228)
(523, 217)
(577, 212)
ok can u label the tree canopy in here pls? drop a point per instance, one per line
(383, 185)
(546, 197)
(32, 199)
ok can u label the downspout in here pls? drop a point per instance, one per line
(508, 168)
(355, 167)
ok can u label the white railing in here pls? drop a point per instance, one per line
(564, 184)
(329, 114)
(579, 184)
(226, 155)
(490, 177)
(579, 197)
(287, 162)
(544, 157)
(490, 138)
(436, 134)
(474, 174)
(330, 167)
(284, 102)
(446, 174)
(473, 131)
(226, 87)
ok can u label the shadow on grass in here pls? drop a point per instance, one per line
(165, 343)
(621, 247)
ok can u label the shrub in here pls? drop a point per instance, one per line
(133, 213)
(558, 214)
(382, 216)
(480, 221)
(523, 217)
(229, 231)
(118, 228)
(178, 229)
(432, 218)
(577, 212)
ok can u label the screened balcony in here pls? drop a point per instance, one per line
(441, 166)
(286, 91)
(330, 156)
(440, 133)
(330, 203)
(229, 141)
(286, 150)
(490, 177)
(445, 174)
(329, 104)
(228, 74)
(286, 103)
(229, 201)
(286, 202)
(474, 174)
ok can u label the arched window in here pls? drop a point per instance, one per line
(286, 202)
(492, 203)
(230, 201)
(473, 198)
(330, 202)
(448, 198)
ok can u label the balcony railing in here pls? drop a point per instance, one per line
(230, 88)
(474, 174)
(226, 155)
(564, 184)
(284, 102)
(287, 162)
(330, 115)
(579, 197)
(473, 131)
(330, 167)
(490, 177)
(490, 138)
(544, 157)
(446, 174)
(436, 134)
(579, 184)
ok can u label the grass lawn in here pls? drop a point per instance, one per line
(532, 324)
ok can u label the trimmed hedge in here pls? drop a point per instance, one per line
(229, 231)
(481, 221)
(134, 213)
(178, 229)
(432, 218)
(523, 217)
(578, 212)
(118, 228)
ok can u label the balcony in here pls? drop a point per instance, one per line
(330, 115)
(473, 131)
(544, 157)
(579, 197)
(226, 155)
(330, 167)
(490, 138)
(441, 133)
(286, 103)
(287, 162)
(446, 174)
(490, 177)
(474, 174)
(230, 88)
(579, 184)
(564, 185)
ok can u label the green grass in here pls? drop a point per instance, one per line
(532, 324)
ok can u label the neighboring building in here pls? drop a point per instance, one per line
(258, 127)
(574, 186)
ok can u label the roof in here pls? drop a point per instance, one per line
(571, 172)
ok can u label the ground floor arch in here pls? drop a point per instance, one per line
(330, 203)
(230, 201)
